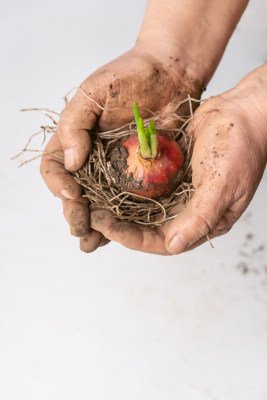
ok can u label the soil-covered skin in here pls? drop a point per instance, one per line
(148, 178)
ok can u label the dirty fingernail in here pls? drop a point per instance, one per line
(66, 194)
(70, 158)
(178, 244)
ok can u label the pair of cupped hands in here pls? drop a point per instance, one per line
(228, 159)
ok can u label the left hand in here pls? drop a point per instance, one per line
(228, 162)
(149, 77)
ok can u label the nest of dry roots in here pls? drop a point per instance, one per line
(98, 185)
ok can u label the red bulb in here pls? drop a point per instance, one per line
(153, 178)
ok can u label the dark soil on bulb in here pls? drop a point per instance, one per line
(117, 167)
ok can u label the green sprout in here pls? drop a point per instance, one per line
(147, 136)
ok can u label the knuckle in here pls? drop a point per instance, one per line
(79, 230)
(78, 218)
(225, 224)
(44, 170)
(41, 168)
(201, 224)
(65, 126)
(220, 230)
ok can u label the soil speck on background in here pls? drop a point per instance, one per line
(252, 254)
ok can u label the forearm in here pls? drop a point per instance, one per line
(196, 30)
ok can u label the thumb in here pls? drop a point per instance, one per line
(202, 213)
(76, 120)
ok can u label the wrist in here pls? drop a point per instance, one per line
(196, 33)
(182, 67)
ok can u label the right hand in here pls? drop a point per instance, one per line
(228, 161)
(155, 81)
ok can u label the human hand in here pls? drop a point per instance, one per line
(168, 62)
(157, 83)
(229, 159)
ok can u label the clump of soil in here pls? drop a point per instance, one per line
(116, 167)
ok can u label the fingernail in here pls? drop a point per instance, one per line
(70, 158)
(66, 194)
(178, 244)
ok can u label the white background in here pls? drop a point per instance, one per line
(116, 324)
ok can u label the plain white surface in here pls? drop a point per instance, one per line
(117, 324)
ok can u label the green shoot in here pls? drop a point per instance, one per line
(153, 145)
(153, 139)
(147, 137)
(144, 146)
(147, 134)
(136, 113)
(152, 126)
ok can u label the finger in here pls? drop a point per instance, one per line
(199, 218)
(131, 235)
(104, 241)
(59, 181)
(91, 241)
(76, 213)
(221, 228)
(76, 120)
